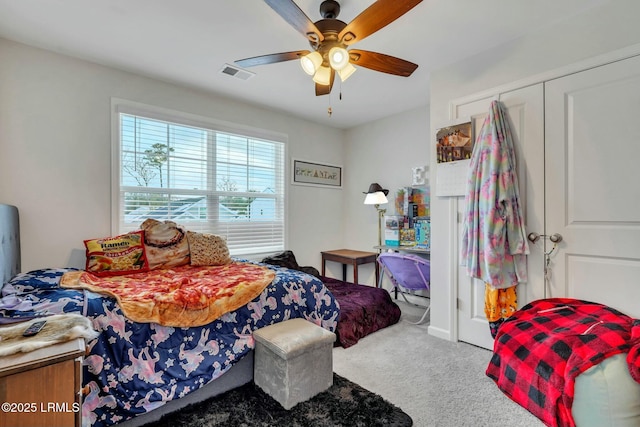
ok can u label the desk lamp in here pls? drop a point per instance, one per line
(377, 196)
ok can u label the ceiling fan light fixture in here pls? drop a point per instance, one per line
(346, 72)
(338, 58)
(322, 76)
(311, 62)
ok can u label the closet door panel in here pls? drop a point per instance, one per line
(592, 160)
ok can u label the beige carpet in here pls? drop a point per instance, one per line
(437, 382)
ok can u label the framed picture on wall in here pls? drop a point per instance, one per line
(454, 145)
(455, 142)
(305, 172)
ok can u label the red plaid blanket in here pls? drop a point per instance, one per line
(543, 347)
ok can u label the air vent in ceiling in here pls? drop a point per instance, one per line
(236, 72)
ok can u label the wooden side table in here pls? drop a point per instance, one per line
(42, 388)
(350, 257)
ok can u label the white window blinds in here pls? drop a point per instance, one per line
(204, 179)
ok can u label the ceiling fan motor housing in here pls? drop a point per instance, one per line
(330, 28)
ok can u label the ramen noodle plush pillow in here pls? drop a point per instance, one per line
(207, 249)
(112, 256)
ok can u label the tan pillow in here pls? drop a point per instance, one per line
(117, 255)
(207, 249)
(165, 243)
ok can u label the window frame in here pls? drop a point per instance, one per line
(122, 106)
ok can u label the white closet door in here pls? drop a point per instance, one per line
(525, 109)
(592, 183)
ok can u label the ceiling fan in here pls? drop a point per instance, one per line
(330, 37)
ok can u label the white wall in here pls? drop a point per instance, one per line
(595, 32)
(55, 152)
(383, 151)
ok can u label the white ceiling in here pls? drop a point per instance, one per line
(189, 41)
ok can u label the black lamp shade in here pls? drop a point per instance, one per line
(375, 187)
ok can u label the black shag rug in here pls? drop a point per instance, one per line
(345, 404)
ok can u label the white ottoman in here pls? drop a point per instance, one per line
(293, 361)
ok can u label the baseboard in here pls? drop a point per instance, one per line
(439, 333)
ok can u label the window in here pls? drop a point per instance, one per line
(206, 179)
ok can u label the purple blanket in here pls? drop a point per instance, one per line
(363, 310)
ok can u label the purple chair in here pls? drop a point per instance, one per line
(406, 272)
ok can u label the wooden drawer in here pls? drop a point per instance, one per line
(42, 388)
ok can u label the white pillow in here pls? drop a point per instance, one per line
(606, 395)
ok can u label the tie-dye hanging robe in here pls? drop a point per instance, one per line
(494, 244)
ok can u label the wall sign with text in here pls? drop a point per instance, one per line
(316, 174)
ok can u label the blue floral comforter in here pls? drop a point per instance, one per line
(133, 368)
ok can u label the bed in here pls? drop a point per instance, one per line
(570, 362)
(137, 371)
(363, 309)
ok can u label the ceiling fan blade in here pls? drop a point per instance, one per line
(271, 58)
(291, 13)
(326, 89)
(381, 62)
(380, 14)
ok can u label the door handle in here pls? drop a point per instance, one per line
(534, 237)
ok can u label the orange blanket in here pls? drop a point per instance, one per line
(182, 296)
